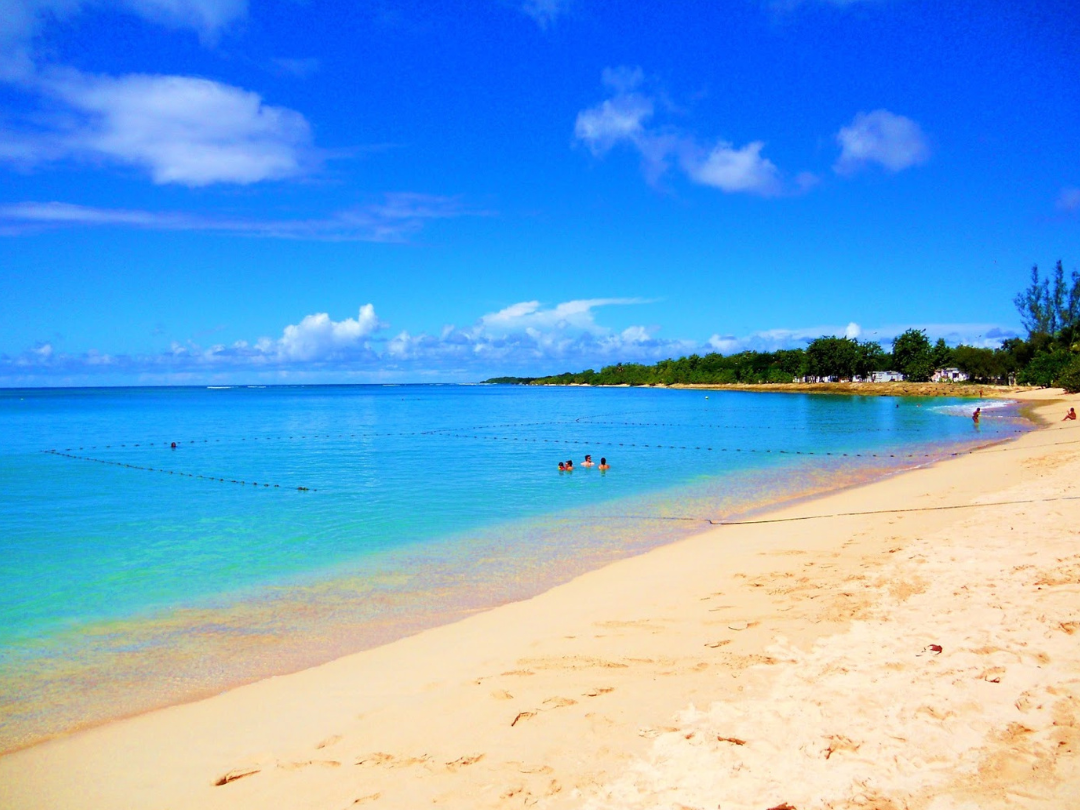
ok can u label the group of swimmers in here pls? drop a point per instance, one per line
(568, 465)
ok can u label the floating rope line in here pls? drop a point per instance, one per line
(722, 522)
(706, 448)
(792, 428)
(173, 472)
(893, 511)
(67, 452)
(71, 452)
(470, 433)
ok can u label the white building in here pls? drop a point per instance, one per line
(949, 375)
(887, 376)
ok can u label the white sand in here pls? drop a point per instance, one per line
(805, 645)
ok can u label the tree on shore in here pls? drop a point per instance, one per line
(913, 355)
(1050, 355)
(1051, 314)
(1048, 310)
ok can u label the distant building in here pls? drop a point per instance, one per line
(949, 375)
(887, 376)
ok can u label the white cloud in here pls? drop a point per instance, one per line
(22, 20)
(180, 129)
(545, 12)
(734, 170)
(317, 337)
(613, 120)
(889, 140)
(526, 338)
(1069, 199)
(398, 217)
(622, 119)
(571, 315)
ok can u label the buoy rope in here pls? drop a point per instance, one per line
(175, 472)
(723, 522)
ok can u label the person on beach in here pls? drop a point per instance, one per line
(604, 465)
(588, 462)
(975, 416)
(1070, 415)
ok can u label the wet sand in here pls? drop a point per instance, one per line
(920, 653)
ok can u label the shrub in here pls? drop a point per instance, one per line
(1070, 377)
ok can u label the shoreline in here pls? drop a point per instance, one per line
(868, 389)
(392, 717)
(199, 649)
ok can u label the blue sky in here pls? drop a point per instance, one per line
(199, 191)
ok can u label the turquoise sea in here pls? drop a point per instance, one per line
(291, 525)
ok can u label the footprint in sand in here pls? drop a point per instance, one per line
(603, 690)
(371, 797)
(329, 741)
(521, 716)
(295, 766)
(464, 761)
(234, 774)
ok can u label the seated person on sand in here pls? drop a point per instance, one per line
(604, 465)
(588, 461)
(1070, 415)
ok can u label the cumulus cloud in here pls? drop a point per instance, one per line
(1069, 200)
(526, 338)
(733, 170)
(883, 138)
(545, 12)
(531, 315)
(397, 218)
(179, 129)
(317, 337)
(623, 119)
(616, 119)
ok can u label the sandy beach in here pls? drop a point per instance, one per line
(911, 643)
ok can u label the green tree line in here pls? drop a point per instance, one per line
(1050, 355)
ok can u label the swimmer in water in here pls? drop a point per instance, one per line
(562, 466)
(975, 416)
(588, 461)
(604, 465)
(570, 465)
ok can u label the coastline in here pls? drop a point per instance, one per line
(866, 389)
(475, 714)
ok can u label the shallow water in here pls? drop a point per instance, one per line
(134, 575)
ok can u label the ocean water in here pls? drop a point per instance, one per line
(290, 525)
